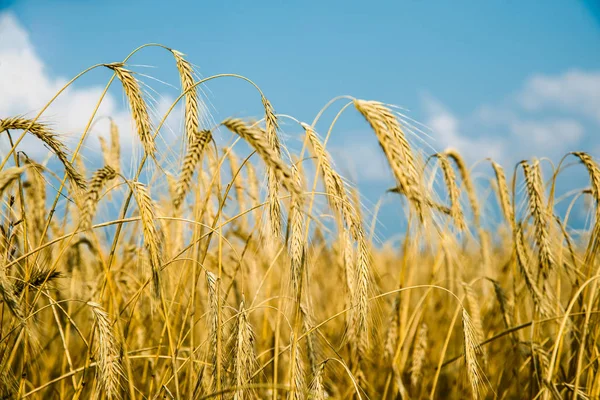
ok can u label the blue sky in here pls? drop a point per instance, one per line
(509, 79)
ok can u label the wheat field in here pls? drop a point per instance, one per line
(252, 271)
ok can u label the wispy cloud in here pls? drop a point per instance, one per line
(547, 117)
(574, 91)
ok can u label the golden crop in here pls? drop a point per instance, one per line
(226, 285)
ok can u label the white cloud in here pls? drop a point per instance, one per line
(547, 118)
(574, 91)
(26, 86)
(448, 132)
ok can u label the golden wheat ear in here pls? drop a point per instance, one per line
(111, 152)
(50, 139)
(109, 370)
(190, 162)
(188, 87)
(153, 236)
(453, 191)
(273, 183)
(418, 356)
(139, 108)
(9, 296)
(455, 156)
(244, 358)
(472, 349)
(100, 178)
(541, 215)
(397, 150)
(215, 328)
(8, 176)
(504, 194)
(270, 156)
(317, 386)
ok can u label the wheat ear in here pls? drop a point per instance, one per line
(115, 146)
(317, 386)
(539, 299)
(506, 307)
(396, 149)
(418, 356)
(50, 139)
(471, 349)
(99, 179)
(475, 313)
(8, 176)
(539, 211)
(109, 369)
(297, 245)
(361, 302)
(244, 360)
(393, 326)
(272, 178)
(271, 158)
(139, 108)
(503, 194)
(297, 379)
(467, 182)
(213, 302)
(453, 192)
(594, 173)
(7, 291)
(186, 74)
(190, 161)
(153, 237)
